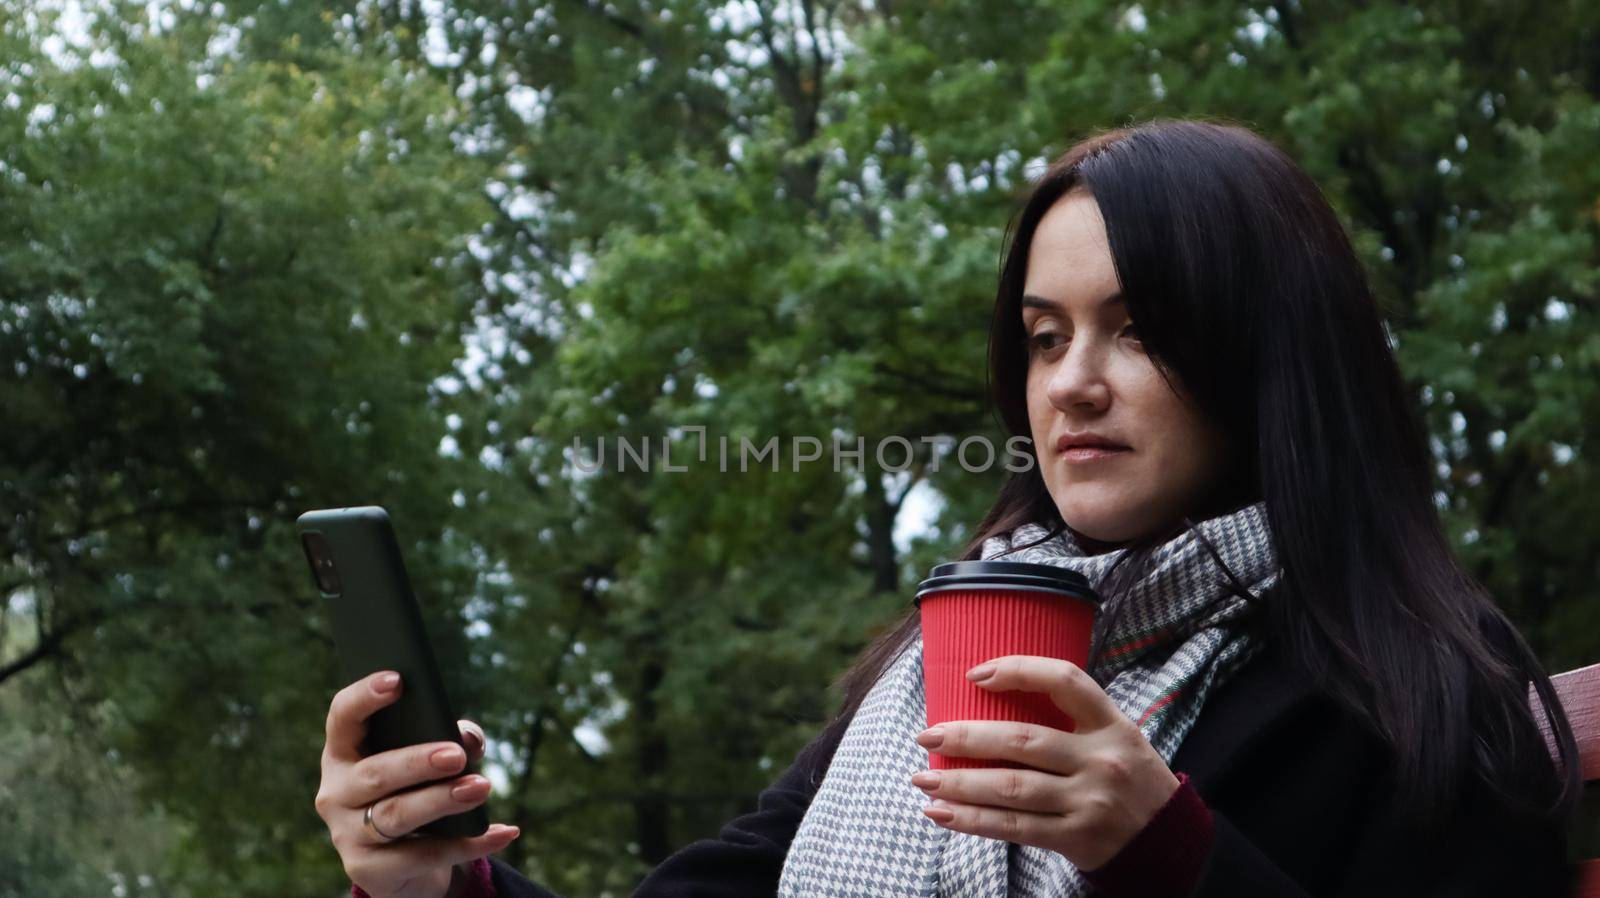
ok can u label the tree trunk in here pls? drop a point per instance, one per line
(880, 530)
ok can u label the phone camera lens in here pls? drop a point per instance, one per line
(323, 570)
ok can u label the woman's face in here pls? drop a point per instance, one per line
(1089, 374)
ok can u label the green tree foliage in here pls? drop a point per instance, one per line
(229, 284)
(272, 256)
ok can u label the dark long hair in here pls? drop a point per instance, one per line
(1245, 288)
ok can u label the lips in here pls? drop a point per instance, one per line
(1086, 441)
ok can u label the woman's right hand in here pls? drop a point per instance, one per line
(404, 868)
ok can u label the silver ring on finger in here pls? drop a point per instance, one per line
(367, 821)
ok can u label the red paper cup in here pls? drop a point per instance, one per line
(973, 611)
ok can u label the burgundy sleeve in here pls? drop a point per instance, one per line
(1167, 857)
(478, 883)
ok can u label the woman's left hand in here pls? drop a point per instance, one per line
(1092, 790)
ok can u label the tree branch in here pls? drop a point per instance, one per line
(750, 625)
(917, 471)
(938, 387)
(1287, 26)
(632, 29)
(571, 733)
(6, 589)
(209, 250)
(48, 646)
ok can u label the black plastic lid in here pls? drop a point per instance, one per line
(1006, 575)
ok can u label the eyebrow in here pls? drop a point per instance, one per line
(1050, 305)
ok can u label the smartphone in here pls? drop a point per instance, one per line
(377, 625)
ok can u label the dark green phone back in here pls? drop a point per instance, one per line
(377, 625)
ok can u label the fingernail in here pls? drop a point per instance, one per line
(447, 758)
(386, 683)
(982, 671)
(931, 738)
(469, 790)
(927, 780)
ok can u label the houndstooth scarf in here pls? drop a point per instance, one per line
(1177, 637)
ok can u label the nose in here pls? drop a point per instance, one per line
(1078, 381)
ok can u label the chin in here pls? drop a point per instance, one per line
(1108, 535)
(1098, 520)
(1106, 513)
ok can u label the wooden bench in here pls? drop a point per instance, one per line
(1579, 691)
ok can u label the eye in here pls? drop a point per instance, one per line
(1041, 342)
(1132, 332)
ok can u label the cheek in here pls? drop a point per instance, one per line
(1039, 408)
(1182, 447)
(1168, 427)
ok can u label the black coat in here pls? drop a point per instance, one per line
(1295, 787)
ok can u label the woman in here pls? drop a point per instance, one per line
(1294, 689)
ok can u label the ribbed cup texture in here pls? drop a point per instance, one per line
(964, 628)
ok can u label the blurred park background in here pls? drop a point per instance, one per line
(262, 256)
